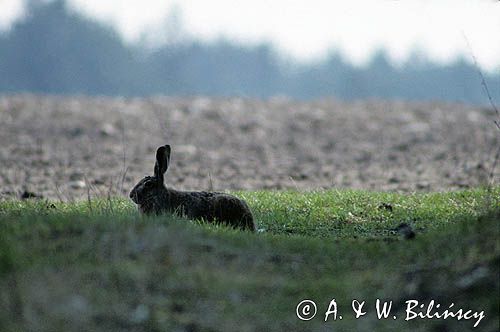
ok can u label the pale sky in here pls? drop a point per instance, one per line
(309, 29)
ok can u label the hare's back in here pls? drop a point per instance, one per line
(222, 207)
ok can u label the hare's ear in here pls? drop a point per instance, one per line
(162, 161)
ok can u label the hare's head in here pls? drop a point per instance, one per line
(152, 187)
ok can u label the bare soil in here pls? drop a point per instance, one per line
(73, 147)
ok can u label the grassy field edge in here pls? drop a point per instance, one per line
(99, 264)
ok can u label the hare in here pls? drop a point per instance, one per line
(152, 197)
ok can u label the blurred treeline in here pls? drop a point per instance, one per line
(55, 50)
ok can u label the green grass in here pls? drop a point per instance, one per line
(101, 266)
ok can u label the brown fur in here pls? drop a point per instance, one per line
(152, 197)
